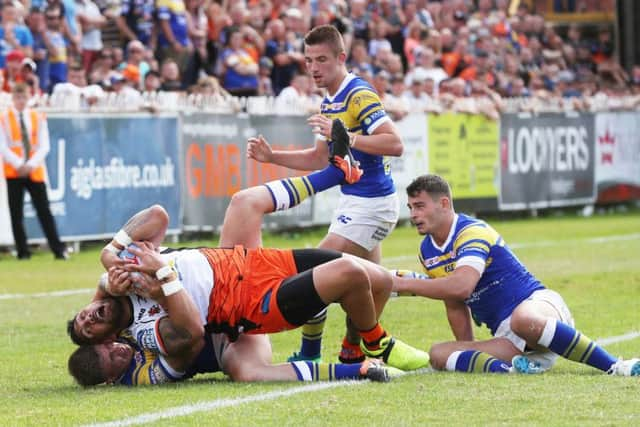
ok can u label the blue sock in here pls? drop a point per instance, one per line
(476, 361)
(566, 341)
(312, 335)
(311, 371)
(325, 178)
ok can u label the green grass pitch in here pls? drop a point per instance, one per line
(599, 279)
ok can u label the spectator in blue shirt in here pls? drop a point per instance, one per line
(13, 35)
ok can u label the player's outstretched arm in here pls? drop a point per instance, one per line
(457, 286)
(259, 149)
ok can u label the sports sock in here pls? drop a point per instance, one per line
(312, 335)
(326, 178)
(289, 192)
(476, 361)
(312, 371)
(373, 336)
(350, 353)
(567, 342)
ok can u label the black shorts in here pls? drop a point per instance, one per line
(297, 297)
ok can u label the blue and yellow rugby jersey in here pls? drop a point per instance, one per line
(147, 368)
(357, 104)
(504, 282)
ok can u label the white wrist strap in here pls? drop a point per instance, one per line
(122, 238)
(111, 248)
(164, 272)
(172, 287)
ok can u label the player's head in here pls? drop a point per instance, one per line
(99, 321)
(325, 56)
(100, 363)
(430, 204)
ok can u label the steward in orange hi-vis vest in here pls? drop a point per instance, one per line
(10, 123)
(24, 145)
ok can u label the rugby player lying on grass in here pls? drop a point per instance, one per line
(122, 361)
(256, 291)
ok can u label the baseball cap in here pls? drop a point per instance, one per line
(116, 78)
(15, 55)
(31, 63)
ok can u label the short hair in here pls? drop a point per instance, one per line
(71, 331)
(84, 366)
(433, 185)
(20, 88)
(325, 34)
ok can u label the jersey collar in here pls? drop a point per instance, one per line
(449, 237)
(345, 82)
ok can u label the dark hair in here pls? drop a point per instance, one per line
(152, 73)
(325, 34)
(71, 331)
(84, 366)
(433, 185)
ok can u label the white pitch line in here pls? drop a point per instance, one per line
(619, 338)
(185, 410)
(539, 244)
(47, 294)
(181, 411)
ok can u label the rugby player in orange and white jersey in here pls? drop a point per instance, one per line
(247, 291)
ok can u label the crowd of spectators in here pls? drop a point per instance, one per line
(465, 55)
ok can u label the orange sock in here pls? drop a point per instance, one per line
(350, 353)
(373, 336)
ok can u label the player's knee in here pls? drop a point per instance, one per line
(528, 323)
(438, 354)
(381, 280)
(354, 274)
(248, 200)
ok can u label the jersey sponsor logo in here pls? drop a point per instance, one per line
(155, 309)
(344, 219)
(141, 313)
(147, 339)
(373, 117)
(332, 106)
(380, 234)
(449, 267)
(431, 261)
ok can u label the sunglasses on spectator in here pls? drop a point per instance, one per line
(52, 17)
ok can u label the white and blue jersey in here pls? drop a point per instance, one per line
(357, 104)
(504, 281)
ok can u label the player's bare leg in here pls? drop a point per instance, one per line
(243, 218)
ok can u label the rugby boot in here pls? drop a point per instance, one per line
(396, 353)
(375, 370)
(625, 368)
(340, 154)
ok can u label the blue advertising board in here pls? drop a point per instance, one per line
(103, 169)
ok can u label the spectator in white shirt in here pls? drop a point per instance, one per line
(294, 99)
